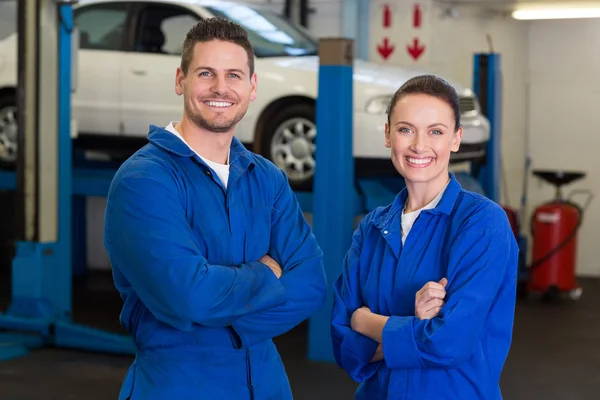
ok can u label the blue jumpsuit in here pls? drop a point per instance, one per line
(184, 252)
(457, 355)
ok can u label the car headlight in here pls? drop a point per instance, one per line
(379, 104)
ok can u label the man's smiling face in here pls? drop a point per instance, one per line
(217, 87)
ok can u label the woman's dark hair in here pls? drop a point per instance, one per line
(430, 85)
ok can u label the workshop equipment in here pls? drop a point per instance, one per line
(513, 219)
(554, 229)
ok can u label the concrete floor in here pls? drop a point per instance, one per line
(555, 356)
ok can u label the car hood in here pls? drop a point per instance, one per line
(380, 78)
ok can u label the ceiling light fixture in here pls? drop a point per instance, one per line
(556, 13)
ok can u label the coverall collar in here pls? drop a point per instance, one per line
(238, 157)
(391, 220)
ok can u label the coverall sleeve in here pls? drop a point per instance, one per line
(149, 240)
(295, 248)
(483, 258)
(352, 351)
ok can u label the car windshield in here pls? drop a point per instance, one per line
(8, 18)
(271, 35)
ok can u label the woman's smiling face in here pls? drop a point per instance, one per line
(422, 134)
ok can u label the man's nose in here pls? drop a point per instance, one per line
(219, 85)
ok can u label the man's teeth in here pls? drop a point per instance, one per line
(419, 160)
(218, 103)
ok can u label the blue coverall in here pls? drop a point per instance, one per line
(184, 253)
(457, 355)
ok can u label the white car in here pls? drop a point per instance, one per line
(129, 51)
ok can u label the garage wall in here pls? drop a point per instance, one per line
(564, 65)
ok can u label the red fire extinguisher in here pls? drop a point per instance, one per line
(554, 229)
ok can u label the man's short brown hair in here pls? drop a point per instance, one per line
(215, 29)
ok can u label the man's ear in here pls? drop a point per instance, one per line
(253, 82)
(179, 78)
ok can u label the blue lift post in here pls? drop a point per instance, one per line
(334, 196)
(40, 308)
(487, 84)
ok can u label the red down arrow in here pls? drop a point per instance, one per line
(416, 50)
(385, 50)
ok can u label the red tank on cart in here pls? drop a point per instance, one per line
(552, 224)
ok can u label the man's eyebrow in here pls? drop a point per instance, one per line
(237, 70)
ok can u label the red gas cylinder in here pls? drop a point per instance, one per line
(554, 252)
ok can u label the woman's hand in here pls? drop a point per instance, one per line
(430, 299)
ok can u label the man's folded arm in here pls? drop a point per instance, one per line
(151, 243)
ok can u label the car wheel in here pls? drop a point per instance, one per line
(289, 142)
(8, 132)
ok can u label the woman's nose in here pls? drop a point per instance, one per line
(419, 144)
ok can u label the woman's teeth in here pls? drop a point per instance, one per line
(419, 161)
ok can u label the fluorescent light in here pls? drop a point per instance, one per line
(557, 13)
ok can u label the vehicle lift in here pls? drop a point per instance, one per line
(51, 190)
(39, 313)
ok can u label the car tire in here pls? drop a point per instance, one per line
(289, 142)
(8, 132)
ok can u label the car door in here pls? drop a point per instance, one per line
(97, 99)
(148, 70)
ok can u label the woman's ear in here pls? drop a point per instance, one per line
(388, 142)
(456, 139)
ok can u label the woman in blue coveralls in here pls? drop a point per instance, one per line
(425, 304)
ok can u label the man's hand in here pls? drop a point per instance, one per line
(359, 316)
(378, 356)
(430, 299)
(272, 264)
(367, 323)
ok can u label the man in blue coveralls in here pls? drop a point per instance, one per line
(209, 248)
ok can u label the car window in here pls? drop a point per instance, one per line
(8, 18)
(162, 29)
(101, 26)
(271, 35)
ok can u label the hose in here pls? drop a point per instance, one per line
(571, 235)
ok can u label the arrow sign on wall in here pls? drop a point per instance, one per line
(416, 50)
(417, 16)
(400, 32)
(385, 50)
(387, 16)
